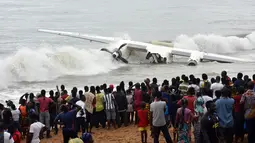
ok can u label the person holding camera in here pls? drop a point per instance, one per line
(15, 116)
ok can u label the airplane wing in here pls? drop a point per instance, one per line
(99, 39)
(207, 56)
(162, 43)
(222, 58)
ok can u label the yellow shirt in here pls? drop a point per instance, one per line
(99, 102)
(75, 140)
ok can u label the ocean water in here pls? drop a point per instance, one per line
(31, 61)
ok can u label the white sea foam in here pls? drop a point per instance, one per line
(48, 63)
(216, 43)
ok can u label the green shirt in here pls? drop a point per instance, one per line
(99, 102)
(75, 140)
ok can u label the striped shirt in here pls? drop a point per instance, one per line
(109, 101)
(183, 87)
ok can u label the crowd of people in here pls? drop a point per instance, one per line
(218, 110)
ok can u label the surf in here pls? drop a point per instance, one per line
(48, 63)
(216, 43)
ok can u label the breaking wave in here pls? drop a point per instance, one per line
(45, 64)
(215, 43)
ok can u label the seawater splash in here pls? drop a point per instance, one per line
(45, 64)
(215, 43)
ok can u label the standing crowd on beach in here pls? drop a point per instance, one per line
(218, 110)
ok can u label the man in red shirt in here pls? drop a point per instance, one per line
(238, 115)
(191, 99)
(64, 95)
(44, 111)
(225, 79)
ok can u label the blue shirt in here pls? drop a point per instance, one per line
(166, 112)
(224, 107)
(167, 96)
(239, 82)
(67, 119)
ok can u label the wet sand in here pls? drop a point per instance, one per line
(128, 134)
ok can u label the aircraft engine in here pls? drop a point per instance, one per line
(117, 54)
(195, 58)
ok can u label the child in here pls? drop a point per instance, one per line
(130, 109)
(143, 122)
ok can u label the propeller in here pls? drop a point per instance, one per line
(117, 54)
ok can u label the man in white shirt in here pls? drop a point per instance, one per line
(217, 86)
(36, 129)
(15, 116)
(157, 109)
(194, 84)
(8, 138)
(5, 137)
(206, 95)
(81, 115)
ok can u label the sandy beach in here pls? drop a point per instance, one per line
(128, 134)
